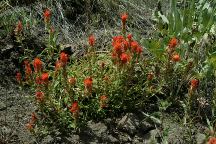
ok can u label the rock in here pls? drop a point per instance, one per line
(99, 129)
(5, 130)
(48, 139)
(2, 106)
(151, 136)
(123, 138)
(137, 140)
(129, 124)
(200, 138)
(145, 126)
(112, 139)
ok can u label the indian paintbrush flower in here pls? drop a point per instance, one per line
(176, 58)
(91, 40)
(18, 28)
(39, 96)
(45, 78)
(18, 77)
(124, 18)
(47, 15)
(212, 140)
(103, 101)
(125, 58)
(28, 70)
(194, 84)
(173, 42)
(88, 84)
(37, 65)
(63, 58)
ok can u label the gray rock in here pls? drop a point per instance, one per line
(200, 138)
(145, 126)
(151, 137)
(48, 139)
(129, 124)
(99, 129)
(5, 130)
(123, 137)
(112, 139)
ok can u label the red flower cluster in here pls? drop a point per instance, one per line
(37, 65)
(57, 65)
(212, 140)
(75, 107)
(30, 124)
(173, 42)
(123, 49)
(43, 79)
(103, 101)
(63, 58)
(28, 70)
(125, 58)
(194, 84)
(91, 40)
(176, 58)
(18, 28)
(47, 15)
(18, 77)
(124, 18)
(88, 84)
(39, 96)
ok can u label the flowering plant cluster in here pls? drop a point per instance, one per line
(101, 84)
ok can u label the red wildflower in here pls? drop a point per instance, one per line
(194, 83)
(126, 45)
(45, 78)
(124, 58)
(91, 40)
(139, 50)
(129, 36)
(124, 17)
(18, 77)
(88, 83)
(103, 98)
(38, 80)
(176, 58)
(212, 140)
(103, 101)
(39, 96)
(75, 107)
(37, 65)
(28, 70)
(173, 42)
(118, 48)
(63, 58)
(19, 27)
(72, 81)
(58, 65)
(134, 46)
(33, 117)
(29, 126)
(117, 39)
(47, 15)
